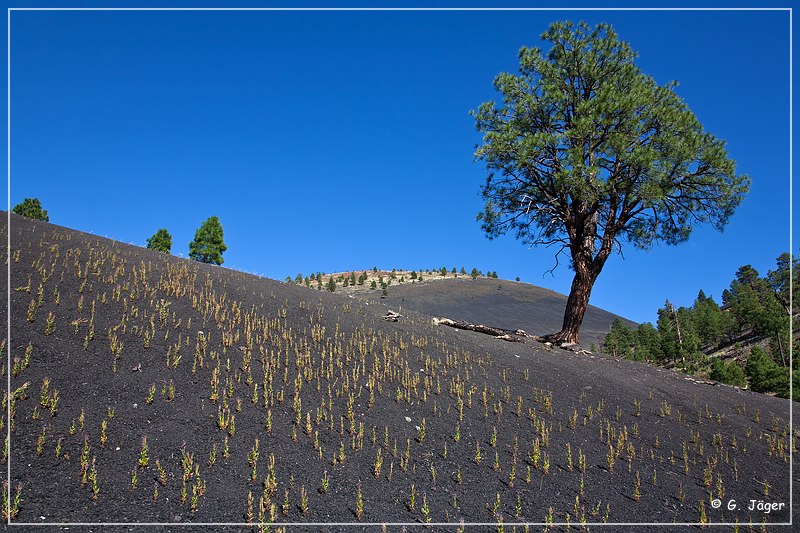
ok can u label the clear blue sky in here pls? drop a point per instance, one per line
(331, 141)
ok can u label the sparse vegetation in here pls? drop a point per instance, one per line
(220, 371)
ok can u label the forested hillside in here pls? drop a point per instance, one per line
(744, 341)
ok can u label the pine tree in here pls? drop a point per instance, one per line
(766, 375)
(648, 343)
(729, 373)
(619, 341)
(31, 208)
(584, 151)
(161, 241)
(208, 245)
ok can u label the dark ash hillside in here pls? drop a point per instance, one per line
(204, 362)
(500, 303)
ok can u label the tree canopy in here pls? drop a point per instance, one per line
(585, 153)
(208, 244)
(752, 314)
(160, 241)
(31, 208)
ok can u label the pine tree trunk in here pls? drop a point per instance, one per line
(577, 303)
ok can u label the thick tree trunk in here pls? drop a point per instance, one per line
(577, 303)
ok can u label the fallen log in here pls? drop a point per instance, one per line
(498, 333)
(392, 316)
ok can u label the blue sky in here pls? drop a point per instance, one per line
(330, 141)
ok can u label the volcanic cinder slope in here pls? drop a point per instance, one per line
(499, 303)
(249, 393)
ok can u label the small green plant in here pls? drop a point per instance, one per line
(151, 394)
(426, 511)
(50, 324)
(376, 467)
(85, 461)
(495, 506)
(44, 396)
(20, 366)
(144, 454)
(162, 474)
(569, 457)
(93, 480)
(103, 434)
(573, 419)
(303, 500)
(187, 463)
(41, 441)
(325, 484)
(212, 455)
(11, 509)
(54, 403)
(359, 511)
(535, 454)
(285, 505)
(421, 433)
(252, 460)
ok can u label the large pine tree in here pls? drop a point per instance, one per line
(586, 153)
